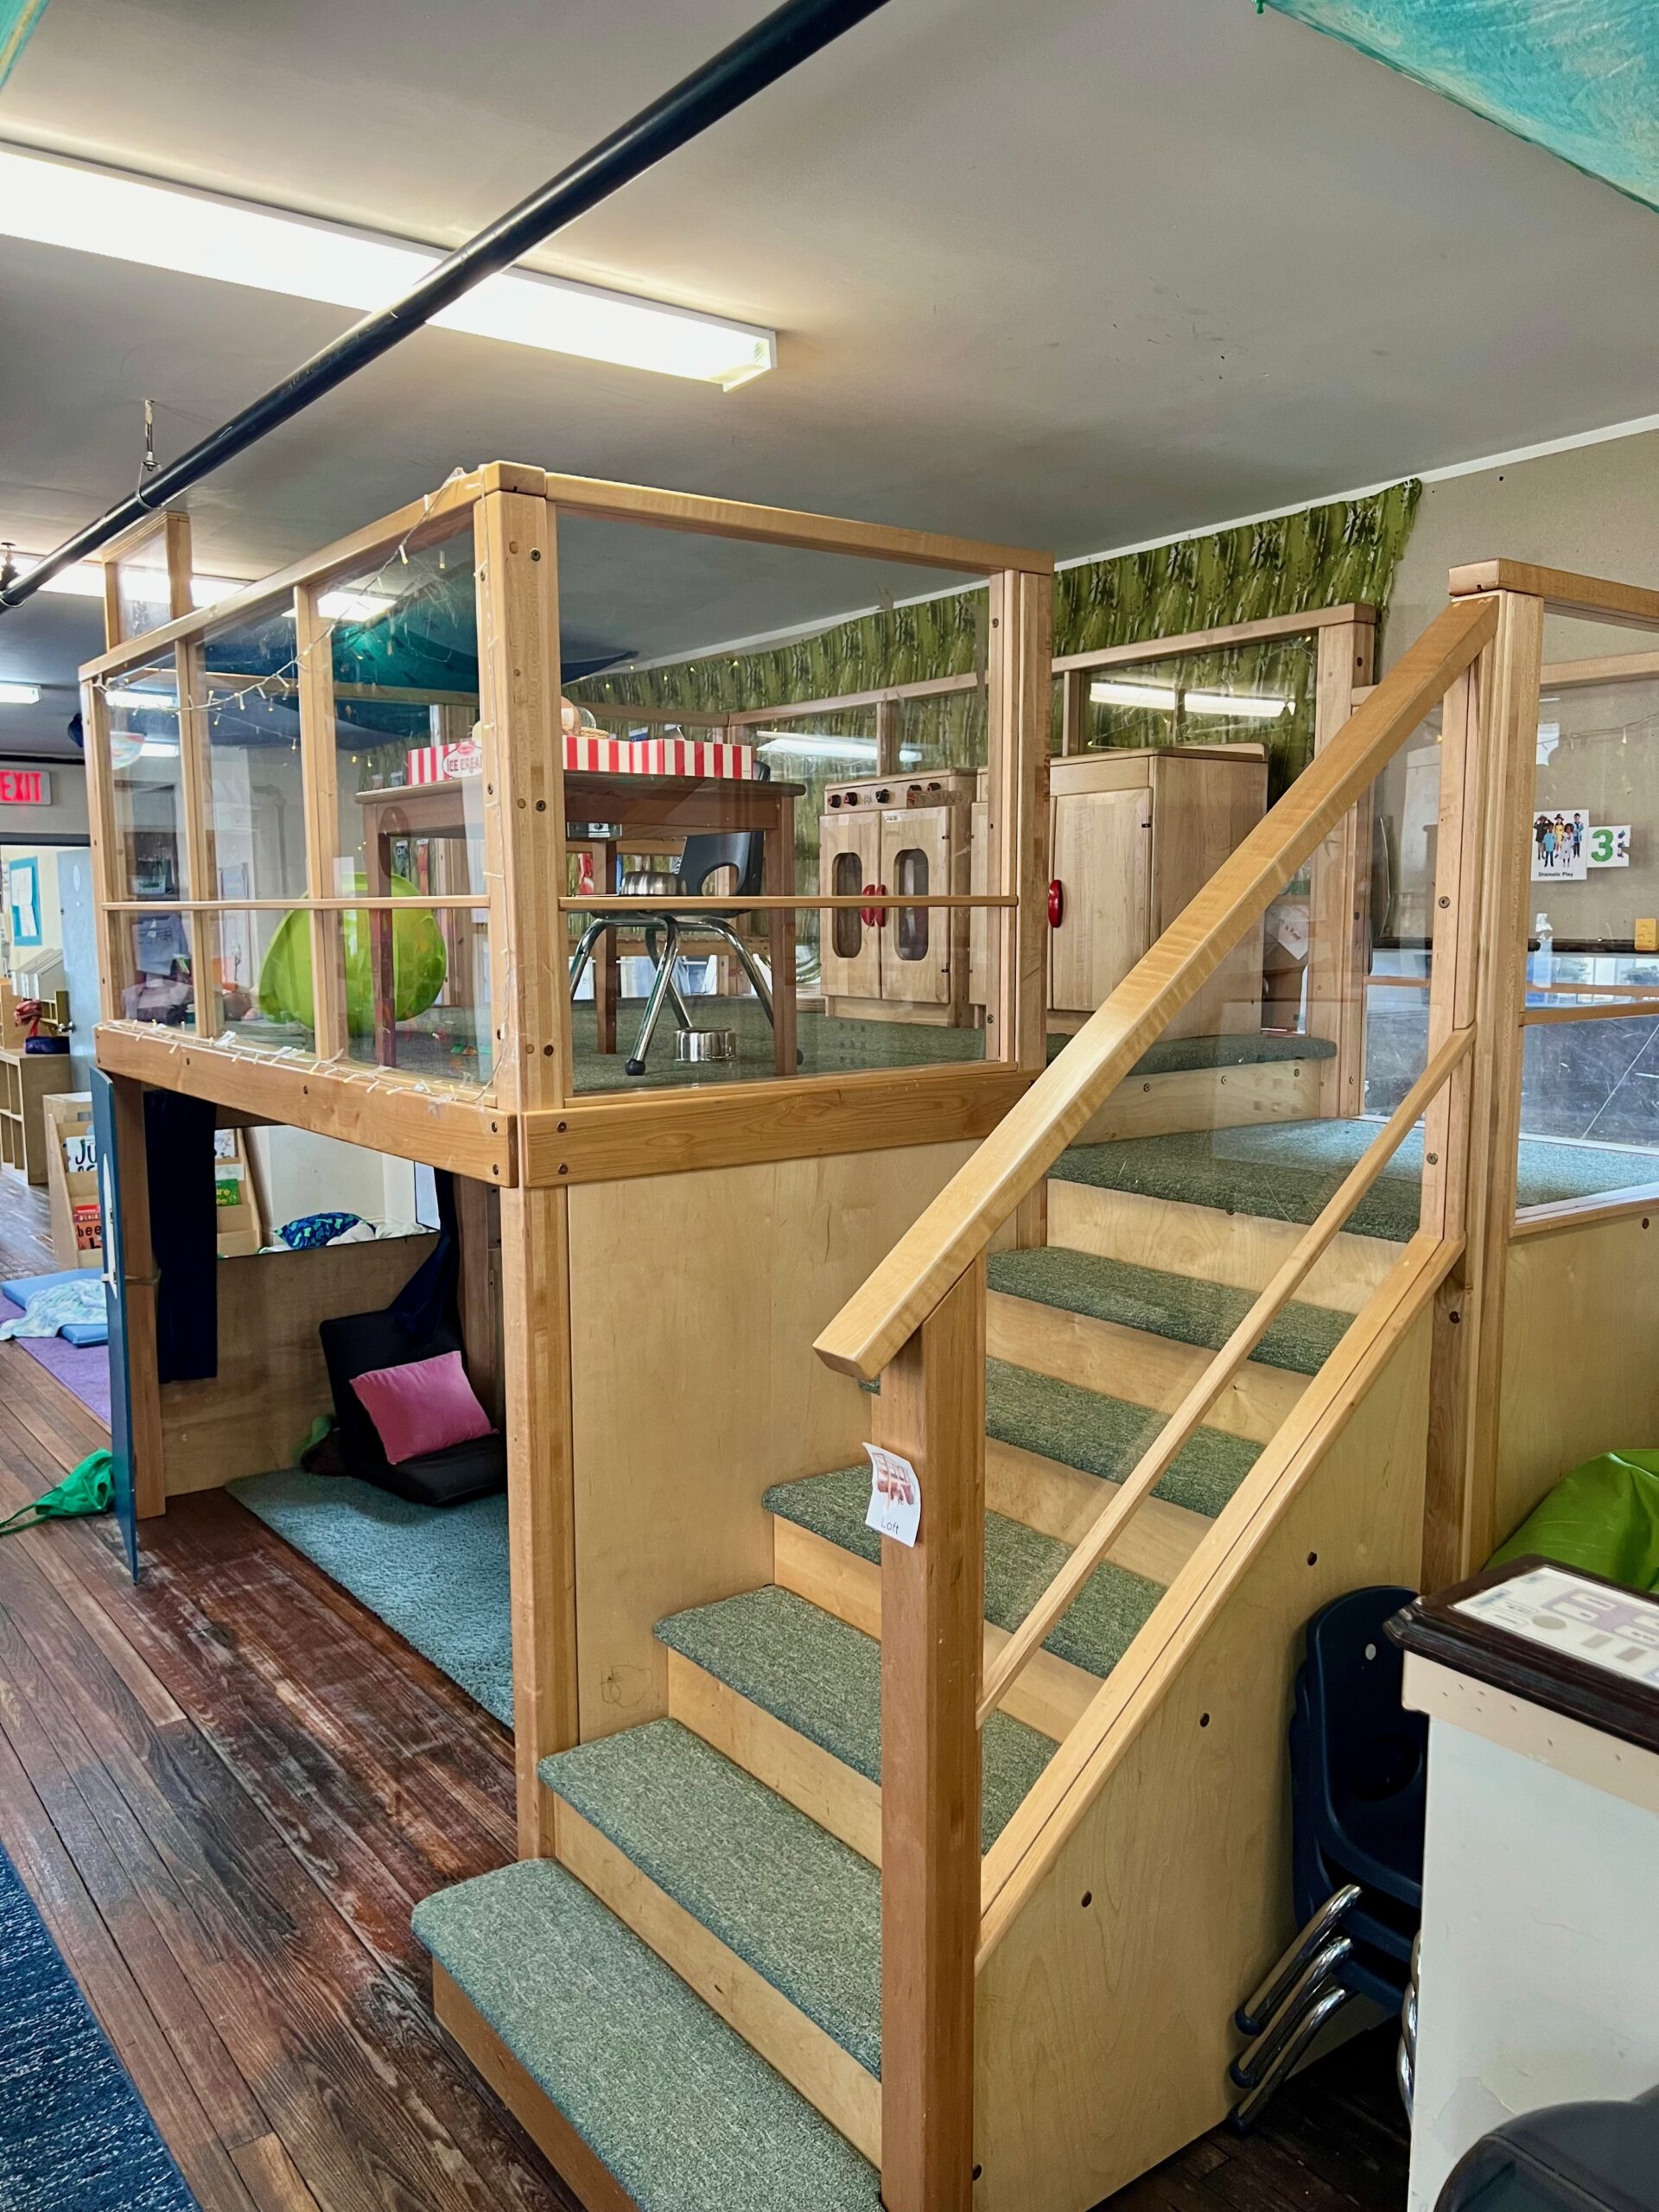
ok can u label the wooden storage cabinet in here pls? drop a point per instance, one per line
(880, 963)
(1132, 837)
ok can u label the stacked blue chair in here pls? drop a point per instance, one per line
(1358, 1765)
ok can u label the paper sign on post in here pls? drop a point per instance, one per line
(895, 1497)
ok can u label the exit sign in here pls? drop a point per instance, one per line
(25, 787)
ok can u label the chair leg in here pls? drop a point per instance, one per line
(677, 1004)
(584, 952)
(751, 968)
(1249, 2109)
(1254, 2015)
(1254, 2065)
(661, 983)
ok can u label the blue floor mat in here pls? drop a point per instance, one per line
(437, 1574)
(74, 2133)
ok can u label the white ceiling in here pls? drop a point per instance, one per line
(1070, 273)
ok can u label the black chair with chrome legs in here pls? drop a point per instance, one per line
(667, 926)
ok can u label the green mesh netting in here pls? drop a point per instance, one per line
(1580, 77)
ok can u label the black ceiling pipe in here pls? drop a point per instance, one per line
(792, 35)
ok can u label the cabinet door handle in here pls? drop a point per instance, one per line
(1056, 904)
(881, 912)
(870, 915)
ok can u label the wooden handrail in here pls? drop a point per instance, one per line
(892, 1304)
(1154, 1463)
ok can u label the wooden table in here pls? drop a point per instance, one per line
(605, 813)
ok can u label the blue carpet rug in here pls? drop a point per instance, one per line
(437, 1574)
(74, 2135)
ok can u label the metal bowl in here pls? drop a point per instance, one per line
(705, 1044)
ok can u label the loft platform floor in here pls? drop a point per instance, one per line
(227, 1788)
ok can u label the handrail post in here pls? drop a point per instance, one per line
(1489, 752)
(931, 1410)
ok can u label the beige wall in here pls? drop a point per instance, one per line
(1595, 508)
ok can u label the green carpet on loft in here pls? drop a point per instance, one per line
(672, 2101)
(1179, 1307)
(1020, 1564)
(822, 1679)
(792, 1900)
(1287, 1171)
(437, 1574)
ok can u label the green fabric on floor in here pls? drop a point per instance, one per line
(1106, 1437)
(1020, 1564)
(790, 1899)
(1287, 1171)
(822, 1679)
(683, 2113)
(437, 1574)
(1177, 1306)
(1243, 1048)
(1603, 1517)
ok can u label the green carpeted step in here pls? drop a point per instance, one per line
(824, 1679)
(1243, 1048)
(678, 2107)
(1020, 1564)
(1106, 1436)
(1181, 1308)
(1286, 1171)
(792, 1900)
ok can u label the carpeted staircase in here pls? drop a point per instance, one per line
(727, 1855)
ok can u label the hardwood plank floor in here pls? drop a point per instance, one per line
(227, 1787)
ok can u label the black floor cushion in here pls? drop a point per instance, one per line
(357, 1344)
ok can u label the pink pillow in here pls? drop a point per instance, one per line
(421, 1407)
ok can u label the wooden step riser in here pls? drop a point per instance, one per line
(595, 2187)
(1243, 1251)
(1063, 1502)
(1206, 1098)
(1133, 1365)
(827, 2076)
(814, 1781)
(1051, 1694)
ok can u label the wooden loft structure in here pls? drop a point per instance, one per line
(674, 1295)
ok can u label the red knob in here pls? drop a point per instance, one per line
(1055, 903)
(881, 912)
(868, 915)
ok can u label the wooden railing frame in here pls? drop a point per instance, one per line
(893, 1325)
(1127, 1497)
(868, 1333)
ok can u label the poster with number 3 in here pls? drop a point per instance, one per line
(1609, 845)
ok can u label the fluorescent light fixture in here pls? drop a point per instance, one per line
(860, 749)
(159, 225)
(143, 703)
(160, 748)
(20, 694)
(85, 580)
(355, 605)
(1232, 706)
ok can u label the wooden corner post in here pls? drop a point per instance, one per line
(1018, 683)
(524, 803)
(1489, 752)
(931, 1410)
(1339, 884)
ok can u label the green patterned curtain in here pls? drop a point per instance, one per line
(1321, 556)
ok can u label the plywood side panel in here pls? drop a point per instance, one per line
(271, 1384)
(1580, 1322)
(695, 1300)
(1105, 2012)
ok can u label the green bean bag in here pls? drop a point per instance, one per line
(418, 964)
(1603, 1517)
